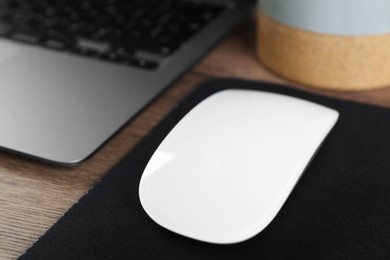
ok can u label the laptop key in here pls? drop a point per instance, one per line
(114, 57)
(143, 63)
(54, 44)
(100, 47)
(145, 44)
(58, 36)
(84, 51)
(158, 48)
(24, 37)
(5, 28)
(27, 34)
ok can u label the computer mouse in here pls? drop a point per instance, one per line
(224, 171)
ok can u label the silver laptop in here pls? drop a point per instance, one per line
(73, 72)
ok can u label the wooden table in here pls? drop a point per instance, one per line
(33, 195)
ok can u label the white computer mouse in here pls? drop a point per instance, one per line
(225, 170)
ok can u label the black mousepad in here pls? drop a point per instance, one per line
(340, 208)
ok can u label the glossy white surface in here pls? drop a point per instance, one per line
(225, 170)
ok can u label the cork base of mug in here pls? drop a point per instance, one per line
(323, 60)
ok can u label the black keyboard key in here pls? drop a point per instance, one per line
(102, 34)
(5, 28)
(114, 57)
(50, 11)
(55, 44)
(144, 44)
(143, 63)
(100, 47)
(49, 22)
(59, 36)
(25, 37)
(27, 34)
(84, 51)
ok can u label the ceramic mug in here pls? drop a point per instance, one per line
(334, 44)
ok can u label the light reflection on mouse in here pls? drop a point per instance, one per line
(226, 169)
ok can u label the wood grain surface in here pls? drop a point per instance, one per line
(33, 195)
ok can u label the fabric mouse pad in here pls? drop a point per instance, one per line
(339, 209)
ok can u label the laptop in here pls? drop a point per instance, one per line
(73, 72)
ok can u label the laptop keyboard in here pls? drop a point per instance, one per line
(111, 30)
